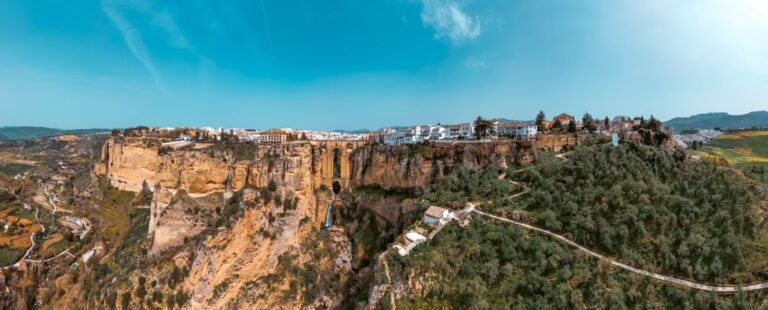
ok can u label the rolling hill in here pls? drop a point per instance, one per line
(719, 119)
(29, 132)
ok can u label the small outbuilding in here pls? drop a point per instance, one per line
(415, 237)
(435, 215)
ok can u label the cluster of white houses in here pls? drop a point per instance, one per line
(258, 136)
(390, 136)
(466, 131)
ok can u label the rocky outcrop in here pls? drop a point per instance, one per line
(417, 166)
(128, 164)
(556, 141)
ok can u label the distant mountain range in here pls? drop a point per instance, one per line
(356, 131)
(506, 120)
(720, 120)
(26, 132)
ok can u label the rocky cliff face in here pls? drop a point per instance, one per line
(556, 141)
(268, 252)
(417, 166)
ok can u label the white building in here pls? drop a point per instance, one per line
(517, 130)
(184, 137)
(413, 236)
(421, 133)
(439, 133)
(466, 131)
(435, 215)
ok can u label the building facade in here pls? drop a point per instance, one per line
(517, 130)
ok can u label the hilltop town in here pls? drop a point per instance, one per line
(478, 130)
(174, 217)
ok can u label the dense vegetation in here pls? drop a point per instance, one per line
(654, 209)
(488, 265)
(647, 207)
(14, 169)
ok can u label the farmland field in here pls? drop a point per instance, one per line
(9, 256)
(14, 169)
(747, 150)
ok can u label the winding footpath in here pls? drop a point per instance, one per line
(663, 278)
(668, 279)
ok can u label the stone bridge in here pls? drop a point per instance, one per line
(334, 161)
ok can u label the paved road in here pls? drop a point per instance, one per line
(668, 279)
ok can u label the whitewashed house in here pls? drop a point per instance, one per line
(467, 131)
(517, 130)
(439, 133)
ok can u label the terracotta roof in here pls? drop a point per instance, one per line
(436, 212)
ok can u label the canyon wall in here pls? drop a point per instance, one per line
(130, 163)
(244, 263)
(417, 166)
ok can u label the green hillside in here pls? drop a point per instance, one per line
(650, 208)
(719, 120)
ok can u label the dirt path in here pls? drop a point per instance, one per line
(668, 279)
(32, 238)
(663, 278)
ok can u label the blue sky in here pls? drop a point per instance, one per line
(347, 64)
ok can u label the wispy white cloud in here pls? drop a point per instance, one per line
(449, 20)
(161, 19)
(166, 22)
(266, 28)
(475, 63)
(133, 40)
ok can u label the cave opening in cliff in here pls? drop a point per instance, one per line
(336, 187)
(336, 163)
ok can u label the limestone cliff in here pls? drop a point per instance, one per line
(417, 166)
(249, 215)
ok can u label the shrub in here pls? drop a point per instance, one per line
(272, 186)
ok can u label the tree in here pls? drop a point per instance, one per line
(181, 298)
(115, 132)
(540, 118)
(607, 122)
(588, 123)
(572, 126)
(483, 128)
(557, 124)
(125, 301)
(654, 124)
(170, 300)
(272, 186)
